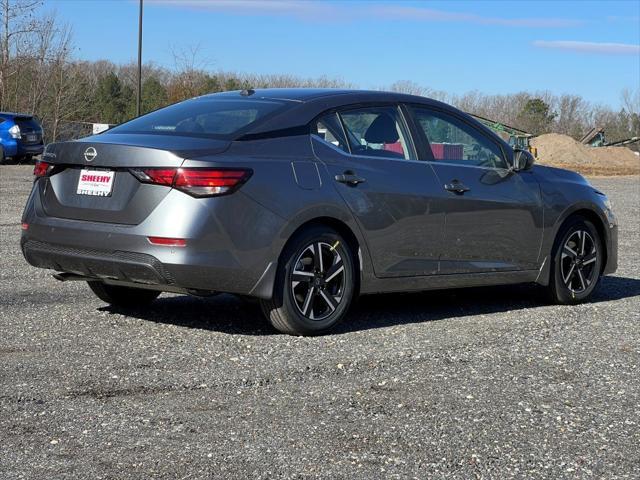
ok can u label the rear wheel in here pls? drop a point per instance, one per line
(314, 285)
(123, 296)
(577, 262)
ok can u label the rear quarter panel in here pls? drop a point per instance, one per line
(294, 201)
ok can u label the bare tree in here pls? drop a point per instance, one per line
(47, 44)
(409, 87)
(412, 88)
(570, 113)
(17, 19)
(190, 77)
(631, 100)
(68, 89)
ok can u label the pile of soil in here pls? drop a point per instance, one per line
(564, 152)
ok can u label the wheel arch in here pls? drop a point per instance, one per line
(587, 212)
(264, 287)
(343, 229)
(591, 215)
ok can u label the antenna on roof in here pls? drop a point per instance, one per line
(247, 91)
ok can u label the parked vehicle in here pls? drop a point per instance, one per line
(307, 198)
(21, 137)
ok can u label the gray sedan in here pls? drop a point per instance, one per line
(306, 198)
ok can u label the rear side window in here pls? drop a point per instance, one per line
(328, 128)
(376, 132)
(27, 124)
(454, 141)
(216, 118)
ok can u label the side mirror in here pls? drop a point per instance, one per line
(522, 160)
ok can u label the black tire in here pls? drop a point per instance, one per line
(123, 296)
(329, 288)
(575, 277)
(1, 155)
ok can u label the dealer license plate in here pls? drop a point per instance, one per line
(98, 183)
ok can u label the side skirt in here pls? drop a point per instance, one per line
(439, 282)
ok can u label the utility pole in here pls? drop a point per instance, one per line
(139, 90)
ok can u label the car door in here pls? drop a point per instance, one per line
(371, 158)
(493, 214)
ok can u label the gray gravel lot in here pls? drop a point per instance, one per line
(482, 383)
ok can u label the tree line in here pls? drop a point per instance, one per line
(544, 112)
(39, 75)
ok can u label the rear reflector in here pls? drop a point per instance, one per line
(25, 226)
(197, 182)
(42, 169)
(168, 242)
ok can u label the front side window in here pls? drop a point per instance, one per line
(204, 117)
(376, 132)
(452, 140)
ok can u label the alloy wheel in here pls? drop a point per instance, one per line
(578, 262)
(318, 280)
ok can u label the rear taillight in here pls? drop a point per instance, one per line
(42, 169)
(197, 182)
(15, 132)
(205, 183)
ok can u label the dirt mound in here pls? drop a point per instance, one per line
(564, 152)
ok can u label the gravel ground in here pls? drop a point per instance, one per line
(482, 383)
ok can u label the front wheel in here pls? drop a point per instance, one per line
(577, 262)
(314, 285)
(123, 296)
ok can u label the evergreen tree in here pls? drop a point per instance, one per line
(154, 95)
(128, 102)
(108, 99)
(536, 116)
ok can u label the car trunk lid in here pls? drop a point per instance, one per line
(125, 200)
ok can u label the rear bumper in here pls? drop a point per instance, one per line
(14, 148)
(35, 149)
(232, 245)
(134, 268)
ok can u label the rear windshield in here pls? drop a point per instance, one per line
(217, 118)
(27, 124)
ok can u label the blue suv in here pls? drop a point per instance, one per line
(21, 136)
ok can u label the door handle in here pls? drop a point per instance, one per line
(457, 187)
(349, 178)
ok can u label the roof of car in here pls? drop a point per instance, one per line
(308, 103)
(14, 114)
(307, 94)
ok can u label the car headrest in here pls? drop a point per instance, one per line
(382, 130)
